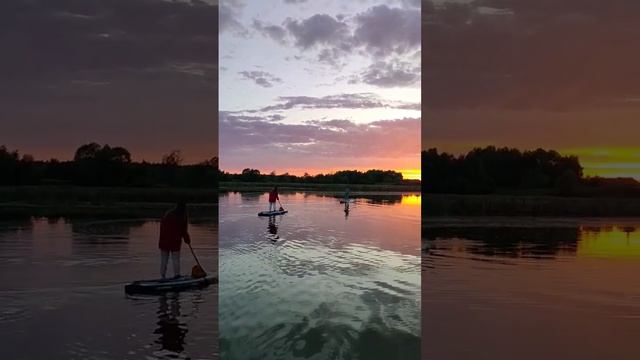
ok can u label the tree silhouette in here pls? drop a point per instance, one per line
(174, 158)
(97, 165)
(490, 169)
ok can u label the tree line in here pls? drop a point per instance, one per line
(503, 170)
(340, 177)
(485, 170)
(102, 165)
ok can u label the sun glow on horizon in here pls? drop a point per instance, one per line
(608, 162)
(411, 174)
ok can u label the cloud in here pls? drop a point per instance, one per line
(524, 55)
(261, 78)
(319, 138)
(411, 3)
(383, 30)
(380, 31)
(228, 17)
(319, 29)
(102, 35)
(295, 1)
(275, 32)
(240, 118)
(342, 101)
(389, 74)
(109, 71)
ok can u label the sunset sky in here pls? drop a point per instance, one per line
(554, 74)
(319, 86)
(137, 73)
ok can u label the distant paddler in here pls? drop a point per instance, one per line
(346, 199)
(273, 197)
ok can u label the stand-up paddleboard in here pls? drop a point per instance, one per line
(272, 213)
(170, 284)
(348, 201)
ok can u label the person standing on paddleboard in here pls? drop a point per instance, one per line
(273, 197)
(173, 229)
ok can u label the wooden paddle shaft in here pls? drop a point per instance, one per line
(194, 256)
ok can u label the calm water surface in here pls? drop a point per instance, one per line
(531, 289)
(318, 283)
(62, 293)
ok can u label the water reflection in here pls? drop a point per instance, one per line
(252, 197)
(171, 330)
(72, 271)
(535, 241)
(544, 285)
(615, 241)
(272, 228)
(11, 227)
(320, 287)
(515, 242)
(383, 200)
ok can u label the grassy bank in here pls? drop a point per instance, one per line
(521, 205)
(73, 201)
(266, 186)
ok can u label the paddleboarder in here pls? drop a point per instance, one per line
(173, 230)
(273, 197)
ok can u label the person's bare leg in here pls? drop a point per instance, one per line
(175, 258)
(164, 258)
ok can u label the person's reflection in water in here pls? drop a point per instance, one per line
(346, 210)
(629, 230)
(172, 332)
(273, 229)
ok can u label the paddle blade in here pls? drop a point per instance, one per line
(197, 272)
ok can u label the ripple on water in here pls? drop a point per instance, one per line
(70, 274)
(12, 310)
(324, 289)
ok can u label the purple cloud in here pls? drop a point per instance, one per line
(384, 31)
(389, 74)
(320, 30)
(275, 32)
(316, 140)
(339, 101)
(261, 78)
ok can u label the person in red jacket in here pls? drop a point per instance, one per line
(173, 229)
(273, 197)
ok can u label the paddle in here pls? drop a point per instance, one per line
(281, 207)
(197, 262)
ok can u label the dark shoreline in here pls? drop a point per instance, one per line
(82, 210)
(450, 205)
(135, 202)
(128, 202)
